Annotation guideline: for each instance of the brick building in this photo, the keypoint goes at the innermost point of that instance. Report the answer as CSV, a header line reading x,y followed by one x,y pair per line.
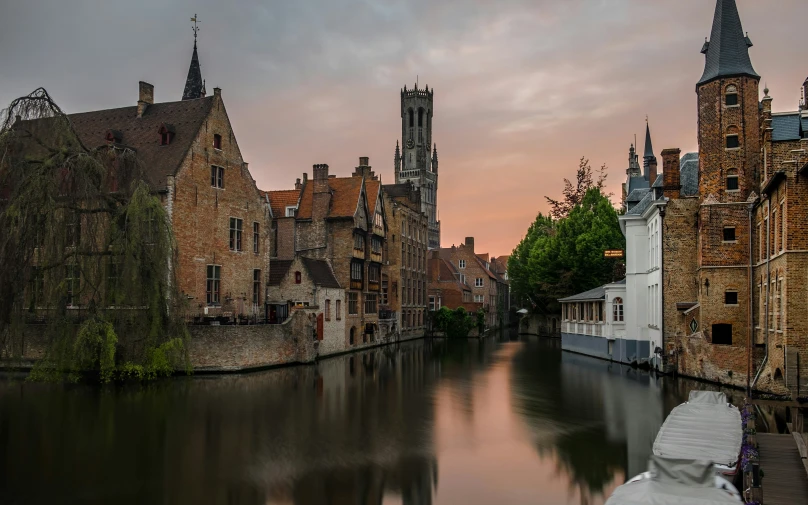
x,y
193,162
445,288
734,252
473,270
404,287
342,220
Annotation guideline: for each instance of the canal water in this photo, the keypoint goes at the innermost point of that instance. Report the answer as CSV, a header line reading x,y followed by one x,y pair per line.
x,y
500,421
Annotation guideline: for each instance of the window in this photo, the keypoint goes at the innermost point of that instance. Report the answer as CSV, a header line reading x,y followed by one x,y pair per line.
x,y
732,183
731,298
256,238
733,142
722,334
374,272
256,287
217,141
358,242
328,310
73,229
782,225
217,176
466,296
371,301
479,298
72,280
353,304
356,271
152,228
213,286
290,211
36,291
165,136
338,310
462,263
113,294
235,234
617,310
376,245
731,96
432,303
298,277
729,234
385,287
351,341
478,282
462,278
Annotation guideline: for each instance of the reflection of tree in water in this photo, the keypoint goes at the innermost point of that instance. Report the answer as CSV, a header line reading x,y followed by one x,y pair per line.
x,y
568,424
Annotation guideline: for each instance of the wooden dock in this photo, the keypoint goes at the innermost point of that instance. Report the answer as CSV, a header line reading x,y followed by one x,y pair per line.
x,y
785,481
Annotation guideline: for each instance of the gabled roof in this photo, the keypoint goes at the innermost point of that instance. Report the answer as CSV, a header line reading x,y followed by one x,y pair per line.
x,y
637,195
689,174
786,127
635,183
278,270
142,135
728,49
321,273
372,189
345,193
448,273
279,200
642,206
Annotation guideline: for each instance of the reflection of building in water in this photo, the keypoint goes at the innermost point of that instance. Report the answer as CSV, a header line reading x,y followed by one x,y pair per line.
x,y
598,420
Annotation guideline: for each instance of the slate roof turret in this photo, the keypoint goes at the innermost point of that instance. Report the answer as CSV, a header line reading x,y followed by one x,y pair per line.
x,y
727,51
194,85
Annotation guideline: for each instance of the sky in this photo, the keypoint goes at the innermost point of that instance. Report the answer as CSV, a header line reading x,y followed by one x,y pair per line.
x,y
523,88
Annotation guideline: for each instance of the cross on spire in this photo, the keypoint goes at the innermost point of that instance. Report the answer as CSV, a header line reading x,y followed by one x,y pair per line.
x,y
195,28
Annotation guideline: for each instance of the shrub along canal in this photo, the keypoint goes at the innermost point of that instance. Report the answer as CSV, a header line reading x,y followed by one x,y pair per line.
x,y
501,420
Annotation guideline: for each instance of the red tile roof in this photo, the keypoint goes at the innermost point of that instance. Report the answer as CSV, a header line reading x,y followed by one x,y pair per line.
x,y
345,193
279,200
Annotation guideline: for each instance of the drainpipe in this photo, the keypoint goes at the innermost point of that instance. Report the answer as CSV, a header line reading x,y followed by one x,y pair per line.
x,y
662,279
750,312
768,288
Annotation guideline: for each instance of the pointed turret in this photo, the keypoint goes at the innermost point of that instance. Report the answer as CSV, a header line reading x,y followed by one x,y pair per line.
x,y
194,85
435,158
649,161
727,51
397,158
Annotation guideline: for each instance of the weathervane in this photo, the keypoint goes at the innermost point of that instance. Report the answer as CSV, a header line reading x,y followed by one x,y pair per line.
x,y
195,28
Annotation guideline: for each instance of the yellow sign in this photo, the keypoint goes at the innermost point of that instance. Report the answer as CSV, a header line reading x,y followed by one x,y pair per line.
x,y
613,253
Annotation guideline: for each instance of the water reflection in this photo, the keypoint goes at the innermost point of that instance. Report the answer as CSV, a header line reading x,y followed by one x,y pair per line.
x,y
498,421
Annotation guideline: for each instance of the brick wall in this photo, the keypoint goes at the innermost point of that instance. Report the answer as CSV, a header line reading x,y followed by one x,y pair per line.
x,y
201,219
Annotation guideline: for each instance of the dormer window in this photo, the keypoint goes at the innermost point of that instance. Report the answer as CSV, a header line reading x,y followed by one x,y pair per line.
x,y
166,132
114,136
731,96
217,141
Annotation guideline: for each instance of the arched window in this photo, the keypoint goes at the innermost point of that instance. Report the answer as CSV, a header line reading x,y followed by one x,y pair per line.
x,y
617,310
412,118
731,96
352,338
298,278
421,117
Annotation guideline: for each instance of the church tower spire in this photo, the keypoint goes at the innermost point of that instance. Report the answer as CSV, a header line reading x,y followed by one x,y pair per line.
x,y
649,161
727,51
194,85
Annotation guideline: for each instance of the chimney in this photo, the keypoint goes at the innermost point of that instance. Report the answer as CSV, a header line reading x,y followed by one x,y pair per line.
x,y
470,243
652,171
364,169
670,173
145,97
217,91
298,185
805,94
320,178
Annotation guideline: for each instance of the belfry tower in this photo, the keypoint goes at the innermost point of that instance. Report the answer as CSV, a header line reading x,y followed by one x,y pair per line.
x,y
416,160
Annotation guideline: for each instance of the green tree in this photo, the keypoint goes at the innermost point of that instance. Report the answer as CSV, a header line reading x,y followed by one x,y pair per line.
x,y
574,193
571,260
85,247
518,270
454,323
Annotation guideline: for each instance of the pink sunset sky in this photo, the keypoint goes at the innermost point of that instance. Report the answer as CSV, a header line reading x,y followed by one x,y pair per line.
x,y
523,88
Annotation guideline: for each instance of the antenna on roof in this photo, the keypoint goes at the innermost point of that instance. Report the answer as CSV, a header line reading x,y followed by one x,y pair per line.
x,y
195,28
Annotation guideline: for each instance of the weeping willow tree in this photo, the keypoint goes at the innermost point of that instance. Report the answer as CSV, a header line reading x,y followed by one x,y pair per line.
x,y
86,250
